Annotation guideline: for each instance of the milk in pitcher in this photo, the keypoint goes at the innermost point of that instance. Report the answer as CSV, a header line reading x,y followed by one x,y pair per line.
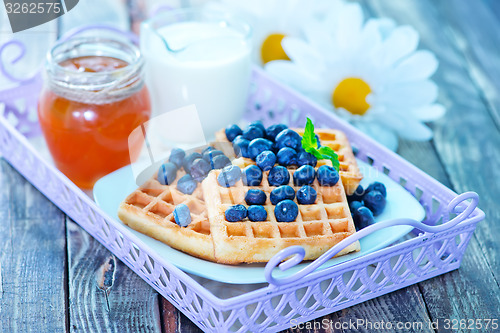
x,y
205,63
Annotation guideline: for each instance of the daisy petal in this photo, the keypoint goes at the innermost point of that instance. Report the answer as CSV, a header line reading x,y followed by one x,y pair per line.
x,y
380,133
400,43
318,38
370,36
409,95
384,25
302,54
289,73
406,126
416,131
430,112
419,66
349,26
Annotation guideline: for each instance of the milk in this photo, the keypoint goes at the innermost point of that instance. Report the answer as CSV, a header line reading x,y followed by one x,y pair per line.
x,y
202,63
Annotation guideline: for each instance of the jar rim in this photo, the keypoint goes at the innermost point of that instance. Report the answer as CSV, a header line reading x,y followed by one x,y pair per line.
x,y
99,87
71,44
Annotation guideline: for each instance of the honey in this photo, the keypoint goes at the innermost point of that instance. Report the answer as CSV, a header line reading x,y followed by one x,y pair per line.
x,y
87,126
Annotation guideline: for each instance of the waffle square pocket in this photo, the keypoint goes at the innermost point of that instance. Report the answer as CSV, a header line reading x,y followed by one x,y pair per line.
x,y
317,228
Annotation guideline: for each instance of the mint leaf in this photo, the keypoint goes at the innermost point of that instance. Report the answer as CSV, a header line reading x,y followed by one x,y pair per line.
x,y
308,138
310,144
330,154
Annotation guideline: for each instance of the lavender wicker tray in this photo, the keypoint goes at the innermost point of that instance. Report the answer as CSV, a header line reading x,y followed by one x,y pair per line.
x,y
436,248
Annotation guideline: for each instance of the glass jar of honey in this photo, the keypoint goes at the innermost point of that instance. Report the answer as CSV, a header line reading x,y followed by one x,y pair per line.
x,y
94,97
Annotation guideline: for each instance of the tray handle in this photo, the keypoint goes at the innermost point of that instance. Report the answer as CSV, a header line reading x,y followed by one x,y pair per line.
x,y
457,206
22,51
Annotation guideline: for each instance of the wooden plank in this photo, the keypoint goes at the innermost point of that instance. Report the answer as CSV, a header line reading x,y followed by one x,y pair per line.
x,y
32,258
467,142
475,27
173,321
468,294
494,6
130,305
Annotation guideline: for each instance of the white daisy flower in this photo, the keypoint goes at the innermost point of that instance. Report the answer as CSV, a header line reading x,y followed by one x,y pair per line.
x,y
370,73
272,20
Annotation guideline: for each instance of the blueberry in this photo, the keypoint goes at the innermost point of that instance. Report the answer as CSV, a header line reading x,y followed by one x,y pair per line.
x,y
374,201
253,132
177,157
275,148
287,156
273,130
251,176
182,215
236,213
206,150
266,160
357,195
362,217
288,138
257,213
255,197
210,156
188,160
257,146
278,175
327,175
167,173
286,211
317,140
281,193
233,131
220,162
258,123
240,146
304,175
186,184
306,195
199,169
377,186
305,158
229,176
353,205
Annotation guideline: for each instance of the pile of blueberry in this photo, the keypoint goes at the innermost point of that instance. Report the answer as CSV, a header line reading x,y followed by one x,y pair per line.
x,y
367,203
267,147
197,166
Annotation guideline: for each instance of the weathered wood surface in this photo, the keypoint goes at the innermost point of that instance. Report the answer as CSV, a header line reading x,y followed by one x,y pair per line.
x,y
130,304
54,276
32,258
467,141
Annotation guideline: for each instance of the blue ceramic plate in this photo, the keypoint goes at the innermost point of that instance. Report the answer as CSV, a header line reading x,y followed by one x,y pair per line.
x,y
112,189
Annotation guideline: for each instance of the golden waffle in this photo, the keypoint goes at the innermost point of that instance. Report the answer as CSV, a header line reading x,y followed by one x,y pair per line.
x,y
317,228
149,210
335,139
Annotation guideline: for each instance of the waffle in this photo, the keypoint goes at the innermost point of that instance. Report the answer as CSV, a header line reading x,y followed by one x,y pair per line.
x,y
149,210
335,139
317,228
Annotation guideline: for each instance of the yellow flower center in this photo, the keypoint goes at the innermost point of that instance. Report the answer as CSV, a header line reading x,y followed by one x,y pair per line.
x,y
351,94
271,48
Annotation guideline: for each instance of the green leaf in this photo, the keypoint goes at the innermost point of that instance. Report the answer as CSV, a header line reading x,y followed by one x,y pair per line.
x,y
330,154
310,144
308,138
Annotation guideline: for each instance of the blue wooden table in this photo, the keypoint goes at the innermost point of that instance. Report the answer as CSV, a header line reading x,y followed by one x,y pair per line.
x,y
50,268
